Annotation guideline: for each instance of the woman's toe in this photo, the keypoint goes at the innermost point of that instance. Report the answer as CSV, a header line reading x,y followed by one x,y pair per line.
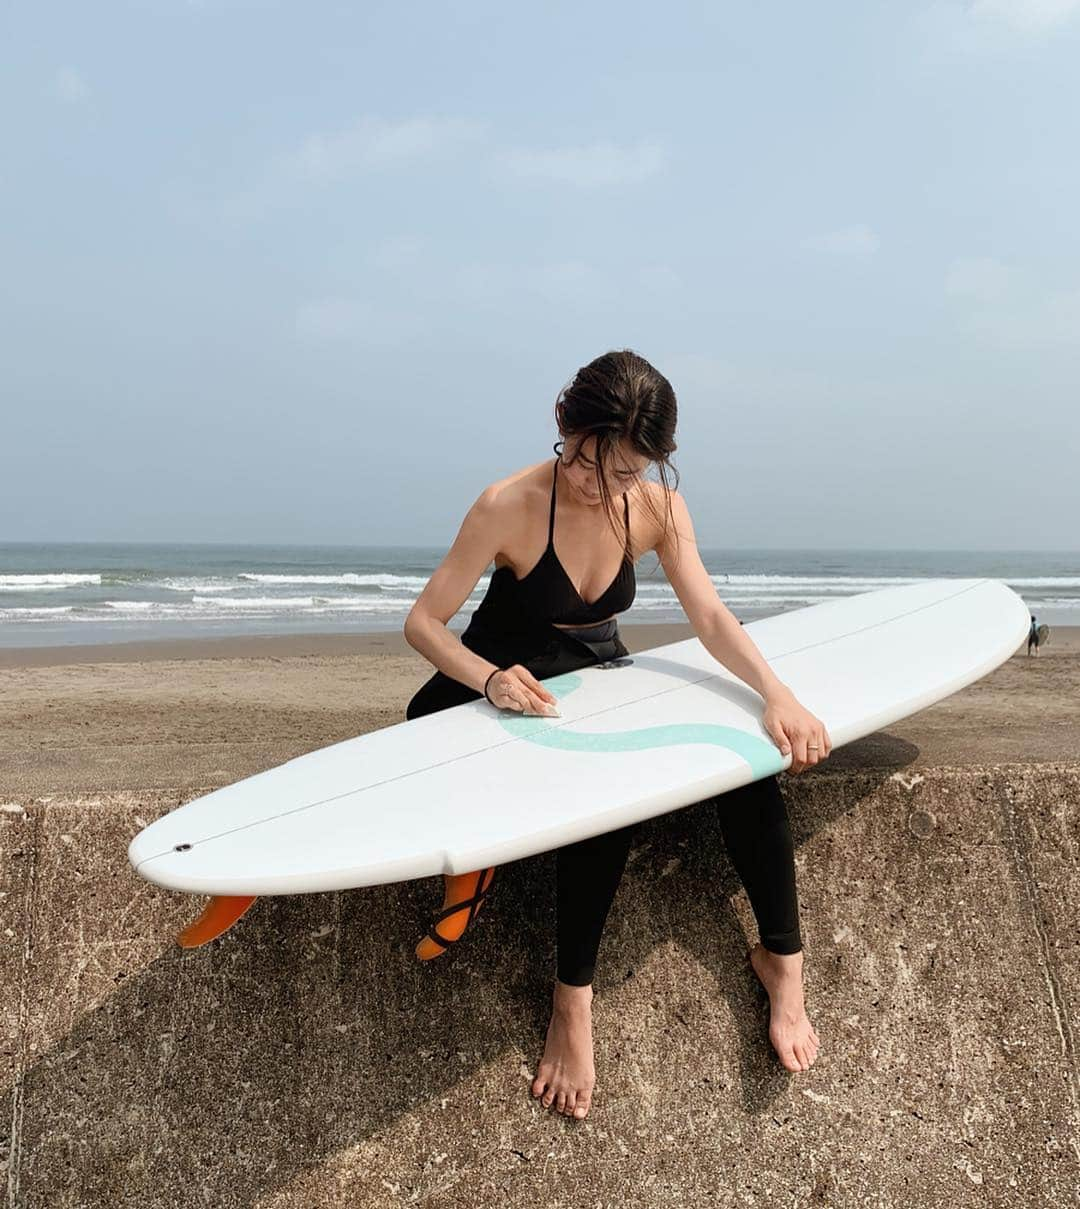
x,y
538,1085
561,1102
581,1105
568,1107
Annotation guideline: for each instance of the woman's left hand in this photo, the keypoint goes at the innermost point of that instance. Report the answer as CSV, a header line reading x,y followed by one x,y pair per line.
x,y
796,730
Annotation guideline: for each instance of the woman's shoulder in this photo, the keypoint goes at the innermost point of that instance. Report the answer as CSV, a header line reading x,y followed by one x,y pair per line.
x,y
511,504
661,503
516,487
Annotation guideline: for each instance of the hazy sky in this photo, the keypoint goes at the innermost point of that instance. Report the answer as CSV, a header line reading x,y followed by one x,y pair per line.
x,y
317,272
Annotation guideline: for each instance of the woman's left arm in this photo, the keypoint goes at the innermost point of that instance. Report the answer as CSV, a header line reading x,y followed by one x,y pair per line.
x,y
793,728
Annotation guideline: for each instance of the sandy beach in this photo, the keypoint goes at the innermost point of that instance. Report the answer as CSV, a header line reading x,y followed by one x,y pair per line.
x,y
188,714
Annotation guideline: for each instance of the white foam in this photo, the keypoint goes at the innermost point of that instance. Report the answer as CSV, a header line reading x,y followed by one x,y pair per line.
x,y
194,585
351,578
27,583
27,614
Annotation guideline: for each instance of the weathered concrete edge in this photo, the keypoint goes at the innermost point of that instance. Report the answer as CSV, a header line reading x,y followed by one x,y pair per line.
x,y
18,832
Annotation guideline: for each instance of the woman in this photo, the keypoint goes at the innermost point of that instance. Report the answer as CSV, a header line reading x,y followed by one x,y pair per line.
x,y
548,613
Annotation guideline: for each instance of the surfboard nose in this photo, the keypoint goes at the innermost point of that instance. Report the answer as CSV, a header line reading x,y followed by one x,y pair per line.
x,y
139,850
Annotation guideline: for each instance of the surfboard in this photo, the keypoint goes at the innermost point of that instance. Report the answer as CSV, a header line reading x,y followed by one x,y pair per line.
x,y
1043,634
474,785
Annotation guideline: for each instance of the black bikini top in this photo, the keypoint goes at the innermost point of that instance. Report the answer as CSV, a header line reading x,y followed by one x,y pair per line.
x,y
553,594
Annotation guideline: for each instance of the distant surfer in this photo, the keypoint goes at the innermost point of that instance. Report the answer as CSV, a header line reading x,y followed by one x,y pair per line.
x,y
546,613
1033,636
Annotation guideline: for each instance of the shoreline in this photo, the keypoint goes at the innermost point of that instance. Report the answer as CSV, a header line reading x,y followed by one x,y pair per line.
x,y
1064,638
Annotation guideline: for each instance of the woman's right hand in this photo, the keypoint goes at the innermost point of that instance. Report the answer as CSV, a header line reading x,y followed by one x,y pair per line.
x,y
518,689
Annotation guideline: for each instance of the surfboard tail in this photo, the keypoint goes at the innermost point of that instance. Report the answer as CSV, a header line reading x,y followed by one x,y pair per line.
x,y
219,915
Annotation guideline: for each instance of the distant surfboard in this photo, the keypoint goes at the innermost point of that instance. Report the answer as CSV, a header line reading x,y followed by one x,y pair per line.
x,y
473,785
1043,634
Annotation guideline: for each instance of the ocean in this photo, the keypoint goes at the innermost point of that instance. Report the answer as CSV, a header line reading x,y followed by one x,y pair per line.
x,y
58,594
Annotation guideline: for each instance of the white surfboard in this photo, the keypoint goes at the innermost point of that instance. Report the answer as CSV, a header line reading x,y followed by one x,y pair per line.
x,y
473,785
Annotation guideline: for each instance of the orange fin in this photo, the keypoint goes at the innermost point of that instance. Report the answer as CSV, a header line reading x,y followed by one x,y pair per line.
x,y
219,915
464,895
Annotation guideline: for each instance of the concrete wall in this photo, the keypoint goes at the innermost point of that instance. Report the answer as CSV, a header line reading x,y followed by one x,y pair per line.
x,y
307,1059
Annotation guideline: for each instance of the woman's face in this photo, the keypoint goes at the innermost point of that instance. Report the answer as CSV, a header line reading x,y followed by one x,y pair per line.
x,y
622,469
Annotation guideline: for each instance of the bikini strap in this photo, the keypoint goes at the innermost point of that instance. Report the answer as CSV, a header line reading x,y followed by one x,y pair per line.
x,y
551,518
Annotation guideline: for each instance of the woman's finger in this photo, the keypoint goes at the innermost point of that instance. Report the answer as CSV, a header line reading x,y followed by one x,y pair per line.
x,y
822,738
541,706
798,748
518,687
518,695
787,745
507,694
538,688
780,737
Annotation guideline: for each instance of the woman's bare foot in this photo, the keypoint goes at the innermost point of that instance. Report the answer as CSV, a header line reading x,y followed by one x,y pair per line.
x,y
567,1074
790,1030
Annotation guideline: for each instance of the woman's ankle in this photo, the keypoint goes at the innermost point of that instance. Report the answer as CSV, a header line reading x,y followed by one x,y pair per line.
x,y
782,965
777,955
566,994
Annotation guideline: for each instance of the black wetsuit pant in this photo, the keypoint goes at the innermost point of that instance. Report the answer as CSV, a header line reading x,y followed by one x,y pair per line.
x,y
753,820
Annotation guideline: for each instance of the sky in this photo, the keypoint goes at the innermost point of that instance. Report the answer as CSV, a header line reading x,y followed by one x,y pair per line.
x,y
317,272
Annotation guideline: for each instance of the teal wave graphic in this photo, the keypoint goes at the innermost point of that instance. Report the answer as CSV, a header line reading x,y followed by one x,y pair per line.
x,y
762,755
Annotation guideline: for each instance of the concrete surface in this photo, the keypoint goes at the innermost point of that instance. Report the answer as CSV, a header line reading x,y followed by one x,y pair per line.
x,y
307,1059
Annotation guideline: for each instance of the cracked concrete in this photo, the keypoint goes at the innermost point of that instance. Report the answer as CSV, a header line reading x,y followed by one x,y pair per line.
x,y
1020,844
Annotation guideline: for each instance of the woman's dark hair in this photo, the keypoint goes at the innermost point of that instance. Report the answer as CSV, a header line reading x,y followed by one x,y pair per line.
x,y
620,397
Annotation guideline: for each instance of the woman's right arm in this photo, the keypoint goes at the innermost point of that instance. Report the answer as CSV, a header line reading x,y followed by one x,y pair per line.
x,y
447,590
450,585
